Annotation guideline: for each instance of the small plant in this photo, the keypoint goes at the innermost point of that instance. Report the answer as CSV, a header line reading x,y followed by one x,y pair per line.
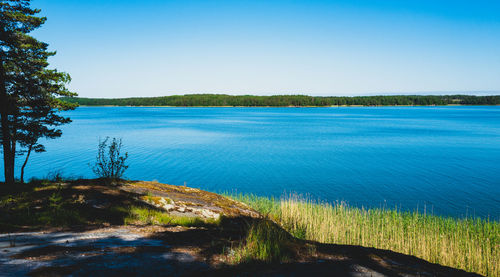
x,y
55,201
55,176
110,163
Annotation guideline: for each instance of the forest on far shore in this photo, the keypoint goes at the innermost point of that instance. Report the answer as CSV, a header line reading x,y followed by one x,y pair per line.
x,y
191,100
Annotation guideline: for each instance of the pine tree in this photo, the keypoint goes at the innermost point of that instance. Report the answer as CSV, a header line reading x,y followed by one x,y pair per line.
x,y
29,90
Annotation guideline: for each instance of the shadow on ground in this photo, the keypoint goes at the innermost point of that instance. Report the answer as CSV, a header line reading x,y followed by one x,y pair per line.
x,y
78,229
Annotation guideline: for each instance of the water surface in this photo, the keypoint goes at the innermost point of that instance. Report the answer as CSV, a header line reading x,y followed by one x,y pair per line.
x,y
443,159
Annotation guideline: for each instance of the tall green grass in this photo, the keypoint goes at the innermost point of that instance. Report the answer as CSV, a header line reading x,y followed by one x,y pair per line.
x,y
468,244
265,242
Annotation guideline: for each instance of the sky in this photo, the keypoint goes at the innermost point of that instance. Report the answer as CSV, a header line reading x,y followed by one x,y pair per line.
x,y
126,48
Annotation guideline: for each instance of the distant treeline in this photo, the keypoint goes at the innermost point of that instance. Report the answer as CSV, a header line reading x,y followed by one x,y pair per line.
x,y
191,100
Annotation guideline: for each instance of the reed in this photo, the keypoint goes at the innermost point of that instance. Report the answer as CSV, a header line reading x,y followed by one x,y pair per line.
x,y
266,242
471,244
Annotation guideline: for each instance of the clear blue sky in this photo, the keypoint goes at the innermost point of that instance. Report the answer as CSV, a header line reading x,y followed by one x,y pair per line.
x,y
122,48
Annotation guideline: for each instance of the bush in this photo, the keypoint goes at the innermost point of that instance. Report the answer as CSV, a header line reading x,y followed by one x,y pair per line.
x,y
110,163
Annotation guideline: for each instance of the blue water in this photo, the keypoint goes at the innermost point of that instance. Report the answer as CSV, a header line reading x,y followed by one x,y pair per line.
x,y
445,160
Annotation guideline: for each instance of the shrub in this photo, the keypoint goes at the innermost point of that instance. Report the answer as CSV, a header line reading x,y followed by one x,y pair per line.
x,y
110,163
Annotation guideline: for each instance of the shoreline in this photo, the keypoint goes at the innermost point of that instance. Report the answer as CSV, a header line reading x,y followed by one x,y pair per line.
x,y
143,214
333,106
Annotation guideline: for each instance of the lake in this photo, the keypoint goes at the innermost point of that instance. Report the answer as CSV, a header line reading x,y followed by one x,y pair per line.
x,y
441,160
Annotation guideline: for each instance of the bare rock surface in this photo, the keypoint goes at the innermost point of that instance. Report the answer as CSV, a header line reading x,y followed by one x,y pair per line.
x,y
186,201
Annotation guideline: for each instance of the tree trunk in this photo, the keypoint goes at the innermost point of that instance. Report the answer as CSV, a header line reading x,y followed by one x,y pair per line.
x,y
25,162
7,142
8,156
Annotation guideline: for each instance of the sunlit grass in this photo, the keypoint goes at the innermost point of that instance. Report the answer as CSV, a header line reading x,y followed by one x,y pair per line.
x,y
39,205
265,242
469,244
149,216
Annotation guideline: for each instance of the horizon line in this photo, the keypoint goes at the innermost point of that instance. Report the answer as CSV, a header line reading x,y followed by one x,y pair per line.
x,y
429,93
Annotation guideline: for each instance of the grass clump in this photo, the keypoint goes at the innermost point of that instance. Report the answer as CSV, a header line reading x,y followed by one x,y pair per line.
x,y
266,242
149,216
469,244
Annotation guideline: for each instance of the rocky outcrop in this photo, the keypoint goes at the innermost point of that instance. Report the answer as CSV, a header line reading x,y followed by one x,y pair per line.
x,y
187,201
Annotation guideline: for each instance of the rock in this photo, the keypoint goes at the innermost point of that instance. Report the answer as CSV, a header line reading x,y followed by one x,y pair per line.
x,y
168,207
190,202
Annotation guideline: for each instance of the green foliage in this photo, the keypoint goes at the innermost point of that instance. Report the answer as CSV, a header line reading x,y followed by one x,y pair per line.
x,y
110,163
45,206
55,201
29,90
193,100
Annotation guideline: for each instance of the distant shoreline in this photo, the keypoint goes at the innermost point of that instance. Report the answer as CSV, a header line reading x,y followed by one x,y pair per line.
x,y
340,106
291,101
